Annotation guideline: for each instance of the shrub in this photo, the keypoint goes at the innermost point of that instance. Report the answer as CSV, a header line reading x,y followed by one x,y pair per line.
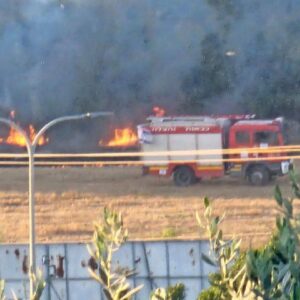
x,y
272,272
39,285
175,292
231,280
109,235
212,293
275,270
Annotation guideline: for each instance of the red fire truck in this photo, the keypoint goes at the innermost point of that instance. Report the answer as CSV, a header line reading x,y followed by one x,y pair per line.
x,y
190,148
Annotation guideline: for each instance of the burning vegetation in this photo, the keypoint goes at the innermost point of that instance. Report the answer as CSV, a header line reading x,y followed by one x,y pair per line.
x,y
127,136
15,138
123,137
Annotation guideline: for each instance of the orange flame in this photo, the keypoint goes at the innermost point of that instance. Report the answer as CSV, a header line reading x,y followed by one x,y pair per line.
x,y
158,111
17,139
122,137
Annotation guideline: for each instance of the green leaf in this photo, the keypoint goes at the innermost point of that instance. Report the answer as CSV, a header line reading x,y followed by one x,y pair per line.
x,y
250,262
206,202
199,220
277,294
278,195
107,294
288,206
219,235
159,294
208,260
297,293
213,227
131,292
286,279
295,186
103,276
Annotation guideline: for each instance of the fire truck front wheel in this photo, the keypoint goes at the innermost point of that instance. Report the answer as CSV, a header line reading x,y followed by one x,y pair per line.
x,y
184,176
258,175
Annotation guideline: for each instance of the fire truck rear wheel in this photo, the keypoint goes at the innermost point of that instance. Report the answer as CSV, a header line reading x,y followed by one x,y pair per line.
x,y
258,175
184,176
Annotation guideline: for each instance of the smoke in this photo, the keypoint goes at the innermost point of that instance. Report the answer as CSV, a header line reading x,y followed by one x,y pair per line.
x,y
265,39
59,58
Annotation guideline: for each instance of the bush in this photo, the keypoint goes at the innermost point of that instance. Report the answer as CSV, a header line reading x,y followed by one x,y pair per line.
x,y
272,272
175,292
39,286
109,235
212,293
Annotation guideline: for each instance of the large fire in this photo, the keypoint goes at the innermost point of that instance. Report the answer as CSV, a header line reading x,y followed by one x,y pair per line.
x,y
122,137
126,137
17,139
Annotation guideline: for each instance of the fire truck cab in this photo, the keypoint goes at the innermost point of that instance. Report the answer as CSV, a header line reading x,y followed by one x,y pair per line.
x,y
200,147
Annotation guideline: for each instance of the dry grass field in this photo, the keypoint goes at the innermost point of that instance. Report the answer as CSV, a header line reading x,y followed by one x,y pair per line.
x,y
68,200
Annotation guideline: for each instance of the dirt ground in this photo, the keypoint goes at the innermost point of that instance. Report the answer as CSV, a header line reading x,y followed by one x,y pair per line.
x,y
68,200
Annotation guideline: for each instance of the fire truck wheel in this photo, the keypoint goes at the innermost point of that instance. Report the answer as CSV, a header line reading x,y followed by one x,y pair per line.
x,y
184,176
258,175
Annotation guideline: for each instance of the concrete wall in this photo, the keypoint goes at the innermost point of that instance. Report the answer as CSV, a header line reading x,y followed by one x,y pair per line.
x,y
65,267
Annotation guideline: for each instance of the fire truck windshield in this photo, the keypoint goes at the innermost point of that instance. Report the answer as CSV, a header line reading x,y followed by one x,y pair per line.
x,y
266,137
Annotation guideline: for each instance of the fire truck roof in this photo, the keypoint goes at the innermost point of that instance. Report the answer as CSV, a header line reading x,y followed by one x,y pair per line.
x,y
179,118
253,123
202,118
256,122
